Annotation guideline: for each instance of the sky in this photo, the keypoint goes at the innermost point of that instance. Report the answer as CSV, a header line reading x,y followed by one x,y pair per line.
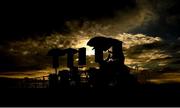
x,y
148,29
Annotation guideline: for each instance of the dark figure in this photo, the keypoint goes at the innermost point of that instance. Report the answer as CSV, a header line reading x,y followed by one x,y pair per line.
x,y
112,72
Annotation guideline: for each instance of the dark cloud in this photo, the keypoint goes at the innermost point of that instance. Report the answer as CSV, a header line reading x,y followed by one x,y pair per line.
x,y
138,49
22,19
158,56
167,20
30,30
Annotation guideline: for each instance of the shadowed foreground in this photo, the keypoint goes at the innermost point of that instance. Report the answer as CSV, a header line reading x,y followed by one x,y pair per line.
x,y
143,95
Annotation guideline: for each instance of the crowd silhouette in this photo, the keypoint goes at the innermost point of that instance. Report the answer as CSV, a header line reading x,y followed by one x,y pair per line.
x,y
112,71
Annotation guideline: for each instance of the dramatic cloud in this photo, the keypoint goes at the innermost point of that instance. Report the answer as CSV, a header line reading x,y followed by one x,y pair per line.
x,y
149,32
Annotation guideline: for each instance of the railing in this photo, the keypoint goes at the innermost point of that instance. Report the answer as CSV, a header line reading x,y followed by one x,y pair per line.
x,y
36,82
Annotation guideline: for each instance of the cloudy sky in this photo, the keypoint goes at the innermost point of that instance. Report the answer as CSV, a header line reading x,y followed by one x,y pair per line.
x,y
148,29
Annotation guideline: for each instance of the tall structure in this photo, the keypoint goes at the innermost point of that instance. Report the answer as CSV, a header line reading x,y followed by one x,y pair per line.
x,y
55,53
70,57
82,56
117,52
101,44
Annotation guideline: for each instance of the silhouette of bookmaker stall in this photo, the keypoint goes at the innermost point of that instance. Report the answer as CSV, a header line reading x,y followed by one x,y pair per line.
x,y
112,71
